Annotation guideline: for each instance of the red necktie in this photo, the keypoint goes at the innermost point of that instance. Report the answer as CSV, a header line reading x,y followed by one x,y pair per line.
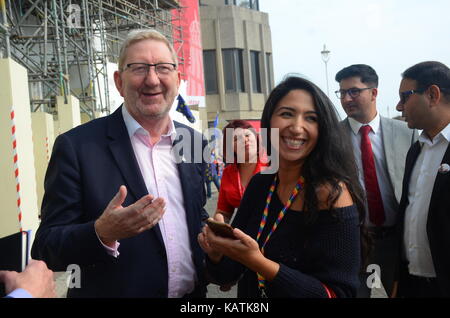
x,y
375,204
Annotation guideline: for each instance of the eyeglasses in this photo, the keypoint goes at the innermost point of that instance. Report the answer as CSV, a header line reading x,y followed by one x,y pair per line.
x,y
142,69
405,95
353,92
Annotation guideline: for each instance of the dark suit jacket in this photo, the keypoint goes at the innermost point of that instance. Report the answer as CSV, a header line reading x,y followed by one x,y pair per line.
x,y
438,222
87,166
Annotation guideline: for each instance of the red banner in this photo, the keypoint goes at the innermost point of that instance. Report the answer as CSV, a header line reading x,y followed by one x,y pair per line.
x,y
188,44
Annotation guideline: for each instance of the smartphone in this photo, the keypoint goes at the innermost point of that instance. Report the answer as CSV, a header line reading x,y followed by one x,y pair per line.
x,y
220,228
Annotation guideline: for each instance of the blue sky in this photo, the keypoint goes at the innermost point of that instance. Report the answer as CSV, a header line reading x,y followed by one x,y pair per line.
x,y
389,35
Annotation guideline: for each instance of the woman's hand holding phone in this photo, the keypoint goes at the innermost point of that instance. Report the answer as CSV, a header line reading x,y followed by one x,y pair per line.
x,y
220,228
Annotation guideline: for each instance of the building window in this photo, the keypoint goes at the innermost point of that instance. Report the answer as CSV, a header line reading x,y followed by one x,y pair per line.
x,y
256,74
249,4
233,70
210,70
269,71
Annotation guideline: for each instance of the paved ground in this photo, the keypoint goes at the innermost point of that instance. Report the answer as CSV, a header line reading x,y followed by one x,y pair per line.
x,y
213,290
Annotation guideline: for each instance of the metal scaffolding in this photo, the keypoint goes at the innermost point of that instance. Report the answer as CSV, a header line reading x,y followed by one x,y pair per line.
x,y
66,44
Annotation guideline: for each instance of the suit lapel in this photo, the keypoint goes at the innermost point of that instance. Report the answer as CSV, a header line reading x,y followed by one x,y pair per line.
x,y
123,154
186,168
411,159
387,132
185,172
346,125
346,129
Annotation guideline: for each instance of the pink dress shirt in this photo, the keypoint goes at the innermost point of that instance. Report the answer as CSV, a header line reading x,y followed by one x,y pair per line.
x,y
160,172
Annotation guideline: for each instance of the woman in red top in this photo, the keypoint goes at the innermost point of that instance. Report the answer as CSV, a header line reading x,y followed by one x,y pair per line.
x,y
237,174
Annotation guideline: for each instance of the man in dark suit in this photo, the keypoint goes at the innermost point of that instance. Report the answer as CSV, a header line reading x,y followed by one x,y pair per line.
x,y
380,145
425,204
133,179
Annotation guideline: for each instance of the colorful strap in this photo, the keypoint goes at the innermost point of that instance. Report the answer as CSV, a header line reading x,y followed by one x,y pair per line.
x,y
262,224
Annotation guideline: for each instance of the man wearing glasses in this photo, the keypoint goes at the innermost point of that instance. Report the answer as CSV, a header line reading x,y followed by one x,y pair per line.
x,y
425,204
380,145
118,203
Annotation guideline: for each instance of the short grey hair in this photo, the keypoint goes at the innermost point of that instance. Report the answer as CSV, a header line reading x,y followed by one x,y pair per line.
x,y
140,35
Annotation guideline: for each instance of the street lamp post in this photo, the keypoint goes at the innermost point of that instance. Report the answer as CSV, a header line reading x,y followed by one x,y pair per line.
x,y
325,57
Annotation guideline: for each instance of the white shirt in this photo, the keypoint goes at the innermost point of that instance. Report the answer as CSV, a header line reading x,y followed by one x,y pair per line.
x,y
423,176
390,203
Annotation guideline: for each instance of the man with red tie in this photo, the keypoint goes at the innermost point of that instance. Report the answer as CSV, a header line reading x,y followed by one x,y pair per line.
x,y
380,145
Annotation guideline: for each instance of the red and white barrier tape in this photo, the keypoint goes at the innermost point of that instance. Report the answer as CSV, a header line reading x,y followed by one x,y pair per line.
x,y
46,148
16,167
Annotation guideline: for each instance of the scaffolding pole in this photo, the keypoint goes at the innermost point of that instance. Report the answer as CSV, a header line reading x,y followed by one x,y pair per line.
x,y
63,59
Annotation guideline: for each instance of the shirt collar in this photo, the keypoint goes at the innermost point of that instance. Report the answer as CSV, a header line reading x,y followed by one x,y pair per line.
x,y
134,127
356,125
443,134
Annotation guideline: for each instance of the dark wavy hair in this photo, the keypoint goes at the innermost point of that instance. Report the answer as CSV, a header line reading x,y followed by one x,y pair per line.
x,y
363,71
237,123
331,161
